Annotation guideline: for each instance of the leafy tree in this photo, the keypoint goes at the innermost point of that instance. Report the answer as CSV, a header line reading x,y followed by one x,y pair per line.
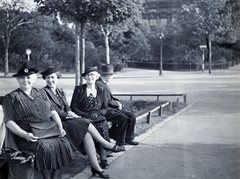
x,y
234,36
109,13
13,15
77,12
210,18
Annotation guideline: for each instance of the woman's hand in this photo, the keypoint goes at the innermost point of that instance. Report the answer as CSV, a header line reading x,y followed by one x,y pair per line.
x,y
94,115
30,137
119,105
14,128
63,132
72,114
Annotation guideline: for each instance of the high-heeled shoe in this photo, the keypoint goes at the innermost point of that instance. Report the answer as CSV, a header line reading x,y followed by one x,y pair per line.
x,y
102,173
104,164
116,149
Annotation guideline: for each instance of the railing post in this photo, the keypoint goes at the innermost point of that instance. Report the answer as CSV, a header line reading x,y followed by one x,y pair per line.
x,y
185,99
177,103
149,117
160,111
170,105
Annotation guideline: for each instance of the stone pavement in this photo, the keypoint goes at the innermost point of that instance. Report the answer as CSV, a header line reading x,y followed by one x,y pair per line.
x,y
200,142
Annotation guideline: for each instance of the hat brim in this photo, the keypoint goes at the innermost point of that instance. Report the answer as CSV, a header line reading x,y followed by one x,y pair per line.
x,y
32,71
49,71
89,71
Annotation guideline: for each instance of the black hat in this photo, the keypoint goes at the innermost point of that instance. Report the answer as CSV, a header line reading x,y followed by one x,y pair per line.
x,y
90,69
50,70
106,69
25,70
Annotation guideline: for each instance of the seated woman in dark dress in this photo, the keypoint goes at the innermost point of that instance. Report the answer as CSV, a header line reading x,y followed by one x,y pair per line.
x,y
89,101
79,130
27,105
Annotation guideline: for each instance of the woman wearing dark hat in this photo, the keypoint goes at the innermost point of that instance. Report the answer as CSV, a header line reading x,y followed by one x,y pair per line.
x,y
88,101
79,131
26,106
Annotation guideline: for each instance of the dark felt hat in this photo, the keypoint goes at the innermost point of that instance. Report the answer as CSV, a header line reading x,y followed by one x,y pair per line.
x,y
90,69
50,70
107,69
25,70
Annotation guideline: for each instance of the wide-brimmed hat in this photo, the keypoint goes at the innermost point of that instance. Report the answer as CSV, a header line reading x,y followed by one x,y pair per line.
x,y
90,69
50,70
107,69
25,70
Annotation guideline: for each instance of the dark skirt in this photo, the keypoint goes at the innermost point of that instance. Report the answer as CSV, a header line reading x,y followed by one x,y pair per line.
x,y
102,127
52,153
76,129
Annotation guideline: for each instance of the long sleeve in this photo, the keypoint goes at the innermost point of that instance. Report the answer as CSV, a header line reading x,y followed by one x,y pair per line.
x,y
76,102
111,100
102,95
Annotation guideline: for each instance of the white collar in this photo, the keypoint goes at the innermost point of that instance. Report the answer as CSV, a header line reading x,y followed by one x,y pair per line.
x,y
93,92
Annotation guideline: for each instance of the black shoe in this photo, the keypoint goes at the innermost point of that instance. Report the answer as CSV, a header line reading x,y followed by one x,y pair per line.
x,y
117,149
104,164
132,142
102,173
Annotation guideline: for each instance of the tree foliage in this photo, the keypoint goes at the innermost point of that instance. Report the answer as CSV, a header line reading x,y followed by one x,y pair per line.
x,y
13,15
109,13
202,22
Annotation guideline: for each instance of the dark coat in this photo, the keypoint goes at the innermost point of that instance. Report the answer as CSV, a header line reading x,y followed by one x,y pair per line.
x,y
61,107
79,101
111,100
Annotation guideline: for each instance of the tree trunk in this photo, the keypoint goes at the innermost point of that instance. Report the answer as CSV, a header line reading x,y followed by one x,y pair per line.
x,y
210,52
107,49
77,55
106,32
6,47
6,69
82,50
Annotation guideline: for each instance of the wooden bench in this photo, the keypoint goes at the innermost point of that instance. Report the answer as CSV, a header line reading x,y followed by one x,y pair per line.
x,y
160,107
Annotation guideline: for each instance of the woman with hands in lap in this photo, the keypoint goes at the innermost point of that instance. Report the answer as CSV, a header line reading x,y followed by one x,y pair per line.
x,y
79,131
27,105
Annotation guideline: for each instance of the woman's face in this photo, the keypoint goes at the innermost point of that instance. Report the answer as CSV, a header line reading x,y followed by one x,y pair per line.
x,y
26,82
52,80
91,77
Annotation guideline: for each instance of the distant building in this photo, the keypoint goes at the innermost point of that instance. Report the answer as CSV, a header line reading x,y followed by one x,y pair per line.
x,y
159,12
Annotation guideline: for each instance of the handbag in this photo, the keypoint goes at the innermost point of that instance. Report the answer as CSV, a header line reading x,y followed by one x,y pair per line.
x,y
45,129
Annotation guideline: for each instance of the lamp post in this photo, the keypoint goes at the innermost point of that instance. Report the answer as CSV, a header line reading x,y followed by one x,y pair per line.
x,y
28,52
160,63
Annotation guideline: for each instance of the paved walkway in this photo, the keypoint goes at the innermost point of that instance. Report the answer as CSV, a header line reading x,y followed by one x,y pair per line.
x,y
200,142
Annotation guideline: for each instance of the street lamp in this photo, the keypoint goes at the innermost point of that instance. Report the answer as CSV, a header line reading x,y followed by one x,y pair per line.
x,y
160,63
28,52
